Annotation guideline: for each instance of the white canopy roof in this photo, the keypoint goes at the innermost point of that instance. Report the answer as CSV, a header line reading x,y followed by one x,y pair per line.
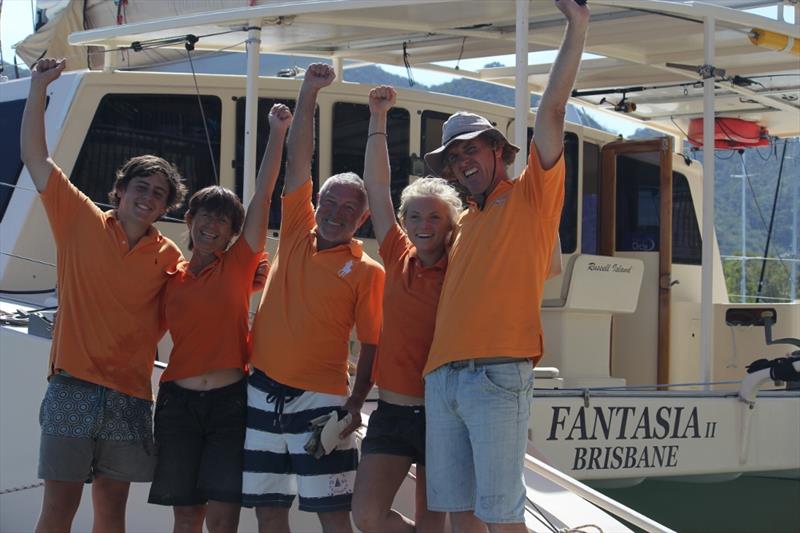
x,y
637,39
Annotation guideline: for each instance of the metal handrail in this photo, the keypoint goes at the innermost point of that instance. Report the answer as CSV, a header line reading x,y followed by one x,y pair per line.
x,y
592,496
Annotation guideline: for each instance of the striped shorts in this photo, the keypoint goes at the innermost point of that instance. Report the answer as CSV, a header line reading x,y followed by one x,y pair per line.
x,y
276,466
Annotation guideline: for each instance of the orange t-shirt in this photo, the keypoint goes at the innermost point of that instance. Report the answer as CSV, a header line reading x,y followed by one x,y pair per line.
x,y
107,325
311,302
410,299
207,314
492,294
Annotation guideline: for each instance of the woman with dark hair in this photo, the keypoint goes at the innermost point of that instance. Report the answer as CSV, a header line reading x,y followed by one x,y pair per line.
x,y
201,405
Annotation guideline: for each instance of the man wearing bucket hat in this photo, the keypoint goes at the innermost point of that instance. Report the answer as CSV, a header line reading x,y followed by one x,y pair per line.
x,y
488,336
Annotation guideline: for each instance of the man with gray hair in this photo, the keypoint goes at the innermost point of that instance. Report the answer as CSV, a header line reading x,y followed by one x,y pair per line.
x,y
488,336
320,286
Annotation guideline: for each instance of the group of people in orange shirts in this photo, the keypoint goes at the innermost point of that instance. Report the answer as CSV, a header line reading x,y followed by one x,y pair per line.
x,y
449,328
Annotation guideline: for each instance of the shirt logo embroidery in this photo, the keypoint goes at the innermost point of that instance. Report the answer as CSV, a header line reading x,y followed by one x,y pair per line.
x,y
501,200
346,269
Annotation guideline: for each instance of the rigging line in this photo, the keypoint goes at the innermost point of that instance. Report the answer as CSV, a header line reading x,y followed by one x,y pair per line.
x,y
669,15
38,262
177,39
731,132
210,53
138,46
407,63
164,218
31,292
770,149
719,156
541,516
685,134
771,226
202,113
763,220
461,52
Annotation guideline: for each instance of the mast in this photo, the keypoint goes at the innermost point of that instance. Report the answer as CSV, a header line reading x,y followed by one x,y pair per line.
x,y
707,272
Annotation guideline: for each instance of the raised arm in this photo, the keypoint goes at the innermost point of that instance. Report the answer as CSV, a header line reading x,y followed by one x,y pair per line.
x,y
300,145
256,220
548,132
377,174
32,139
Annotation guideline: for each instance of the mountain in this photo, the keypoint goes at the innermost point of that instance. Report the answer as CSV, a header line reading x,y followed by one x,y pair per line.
x,y
7,69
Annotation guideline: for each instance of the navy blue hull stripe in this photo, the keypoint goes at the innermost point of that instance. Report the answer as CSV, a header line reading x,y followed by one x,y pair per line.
x,y
301,464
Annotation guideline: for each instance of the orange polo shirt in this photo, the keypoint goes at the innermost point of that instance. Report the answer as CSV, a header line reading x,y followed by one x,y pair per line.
x,y
492,294
410,299
311,302
107,325
207,314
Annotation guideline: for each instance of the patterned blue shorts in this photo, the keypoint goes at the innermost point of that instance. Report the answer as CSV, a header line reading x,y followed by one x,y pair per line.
x,y
76,408
90,430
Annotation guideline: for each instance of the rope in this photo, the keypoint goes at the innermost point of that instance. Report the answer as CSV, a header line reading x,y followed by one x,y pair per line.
x,y
189,48
581,529
22,487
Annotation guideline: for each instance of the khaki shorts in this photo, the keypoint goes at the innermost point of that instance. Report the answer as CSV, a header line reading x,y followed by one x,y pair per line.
x,y
90,430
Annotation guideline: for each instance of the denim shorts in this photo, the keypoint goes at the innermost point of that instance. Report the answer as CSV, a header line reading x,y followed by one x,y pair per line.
x,y
200,442
89,429
477,432
396,430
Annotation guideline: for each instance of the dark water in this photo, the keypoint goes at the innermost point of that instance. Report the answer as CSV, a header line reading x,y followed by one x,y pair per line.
x,y
744,505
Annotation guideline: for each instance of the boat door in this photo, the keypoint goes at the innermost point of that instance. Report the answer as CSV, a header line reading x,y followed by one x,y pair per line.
x,y
635,220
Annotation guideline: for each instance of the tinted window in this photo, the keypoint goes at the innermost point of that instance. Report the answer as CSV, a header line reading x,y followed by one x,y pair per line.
x,y
687,246
349,138
264,105
568,227
431,134
568,230
10,161
637,217
166,125
590,207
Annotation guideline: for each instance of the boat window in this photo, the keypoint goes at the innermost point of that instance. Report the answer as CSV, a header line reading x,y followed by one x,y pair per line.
x,y
687,244
637,216
10,159
591,179
264,105
166,125
349,138
431,134
568,229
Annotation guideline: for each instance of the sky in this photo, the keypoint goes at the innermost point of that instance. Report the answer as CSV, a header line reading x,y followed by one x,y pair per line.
x,y
16,22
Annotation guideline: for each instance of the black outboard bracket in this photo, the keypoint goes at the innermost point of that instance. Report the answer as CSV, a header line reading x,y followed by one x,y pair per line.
x,y
758,316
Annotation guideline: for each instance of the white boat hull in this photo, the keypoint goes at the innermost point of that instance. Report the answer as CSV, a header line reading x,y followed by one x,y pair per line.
x,y
23,365
621,438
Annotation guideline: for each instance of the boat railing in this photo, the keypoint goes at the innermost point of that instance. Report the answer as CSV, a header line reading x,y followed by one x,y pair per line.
x,y
786,275
594,497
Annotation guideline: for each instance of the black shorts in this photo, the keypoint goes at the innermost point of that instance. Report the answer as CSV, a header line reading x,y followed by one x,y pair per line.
x,y
396,430
200,443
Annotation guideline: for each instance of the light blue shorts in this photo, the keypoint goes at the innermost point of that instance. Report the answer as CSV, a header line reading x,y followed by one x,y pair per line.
x,y
477,424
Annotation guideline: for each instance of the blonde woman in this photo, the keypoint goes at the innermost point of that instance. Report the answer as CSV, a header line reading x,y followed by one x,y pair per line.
x,y
414,253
